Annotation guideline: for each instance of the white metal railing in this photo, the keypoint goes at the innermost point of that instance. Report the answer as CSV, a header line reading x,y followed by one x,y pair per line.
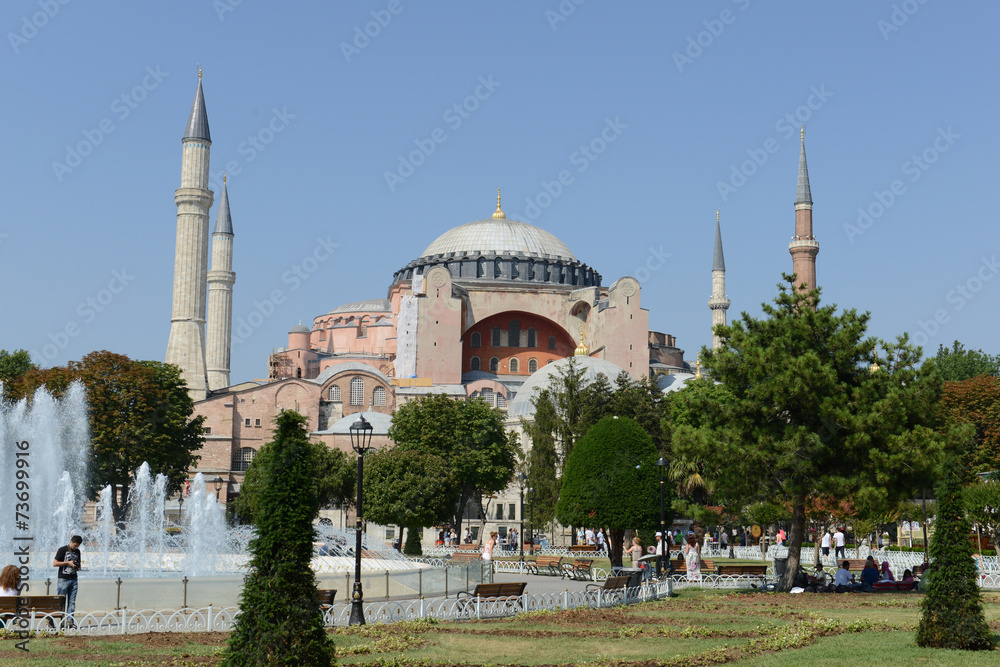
x,y
130,621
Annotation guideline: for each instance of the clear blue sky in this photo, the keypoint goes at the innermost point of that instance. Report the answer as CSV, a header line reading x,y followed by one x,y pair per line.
x,y
890,86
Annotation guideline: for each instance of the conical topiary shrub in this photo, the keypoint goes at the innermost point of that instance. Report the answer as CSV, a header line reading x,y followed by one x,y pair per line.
x,y
280,622
953,610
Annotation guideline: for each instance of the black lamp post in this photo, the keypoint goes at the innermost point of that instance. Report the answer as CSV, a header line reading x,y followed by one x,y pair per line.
x,y
218,486
662,465
531,525
522,479
361,439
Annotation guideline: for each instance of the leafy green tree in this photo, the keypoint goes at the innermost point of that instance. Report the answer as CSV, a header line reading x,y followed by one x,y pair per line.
x,y
982,502
975,401
13,365
468,435
959,364
138,411
807,415
611,480
334,479
953,608
280,622
408,489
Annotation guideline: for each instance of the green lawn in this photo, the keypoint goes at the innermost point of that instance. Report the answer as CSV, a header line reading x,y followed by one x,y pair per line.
x,y
696,627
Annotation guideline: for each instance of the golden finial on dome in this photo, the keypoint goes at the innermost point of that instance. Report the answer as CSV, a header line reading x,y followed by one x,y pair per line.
x,y
223,178
582,350
697,372
199,71
874,368
716,216
498,214
802,133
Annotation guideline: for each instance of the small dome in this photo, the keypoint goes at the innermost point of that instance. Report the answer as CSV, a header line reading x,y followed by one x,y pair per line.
x,y
498,236
522,406
299,328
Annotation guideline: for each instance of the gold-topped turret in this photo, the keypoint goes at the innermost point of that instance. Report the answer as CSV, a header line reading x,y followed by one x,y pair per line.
x,y
697,372
498,214
874,368
582,350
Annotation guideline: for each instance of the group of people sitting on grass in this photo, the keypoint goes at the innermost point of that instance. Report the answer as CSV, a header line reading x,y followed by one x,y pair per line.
x,y
845,582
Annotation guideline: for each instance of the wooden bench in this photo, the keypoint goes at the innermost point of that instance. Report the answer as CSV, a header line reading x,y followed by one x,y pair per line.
x,y
52,606
465,556
508,593
611,584
741,570
326,596
579,569
467,547
707,566
547,565
583,548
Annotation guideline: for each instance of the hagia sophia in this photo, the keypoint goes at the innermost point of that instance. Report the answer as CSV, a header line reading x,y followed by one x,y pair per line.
x,y
489,309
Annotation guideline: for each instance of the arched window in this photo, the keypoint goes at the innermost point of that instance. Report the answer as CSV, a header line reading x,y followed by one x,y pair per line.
x,y
514,334
515,365
242,458
481,268
532,338
298,372
495,342
487,395
475,364
334,393
501,401
475,340
494,365
532,365
357,391
378,396
552,342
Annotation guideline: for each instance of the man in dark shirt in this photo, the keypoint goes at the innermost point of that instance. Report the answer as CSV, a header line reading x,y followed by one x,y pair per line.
x,y
69,561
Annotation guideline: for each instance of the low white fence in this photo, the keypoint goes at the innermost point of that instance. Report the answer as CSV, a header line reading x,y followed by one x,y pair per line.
x,y
129,621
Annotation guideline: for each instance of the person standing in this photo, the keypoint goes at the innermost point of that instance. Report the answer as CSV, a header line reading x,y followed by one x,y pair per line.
x,y
838,543
600,540
589,536
660,554
724,542
488,549
69,561
825,543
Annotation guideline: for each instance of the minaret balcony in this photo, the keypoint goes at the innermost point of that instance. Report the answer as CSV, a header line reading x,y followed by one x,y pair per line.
x,y
716,303
808,244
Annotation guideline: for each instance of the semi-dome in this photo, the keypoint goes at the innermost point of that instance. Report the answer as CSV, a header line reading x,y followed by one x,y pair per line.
x,y
498,236
545,376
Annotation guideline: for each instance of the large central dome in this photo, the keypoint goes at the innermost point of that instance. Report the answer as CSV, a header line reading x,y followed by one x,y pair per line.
x,y
498,236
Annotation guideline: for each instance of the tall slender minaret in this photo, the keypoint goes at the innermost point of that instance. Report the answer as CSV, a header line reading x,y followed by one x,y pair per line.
x,y
804,246
186,346
218,345
718,302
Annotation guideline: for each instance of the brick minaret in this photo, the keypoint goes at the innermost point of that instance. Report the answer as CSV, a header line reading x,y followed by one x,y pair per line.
x,y
186,346
804,246
718,302
220,297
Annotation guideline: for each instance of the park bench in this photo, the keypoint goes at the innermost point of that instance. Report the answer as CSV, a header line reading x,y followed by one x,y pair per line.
x,y
326,597
51,606
741,570
465,556
707,566
611,584
579,569
583,548
547,565
508,593
467,547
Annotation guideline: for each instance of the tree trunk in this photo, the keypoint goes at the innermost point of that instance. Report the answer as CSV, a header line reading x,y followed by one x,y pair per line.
x,y
794,543
412,546
615,537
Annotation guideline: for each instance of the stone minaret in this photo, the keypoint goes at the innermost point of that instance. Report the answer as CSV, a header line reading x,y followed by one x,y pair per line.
x,y
804,246
718,303
220,297
186,346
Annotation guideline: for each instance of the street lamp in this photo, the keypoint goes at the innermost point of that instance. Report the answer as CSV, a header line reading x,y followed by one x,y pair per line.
x,y
531,525
522,479
361,439
218,486
662,465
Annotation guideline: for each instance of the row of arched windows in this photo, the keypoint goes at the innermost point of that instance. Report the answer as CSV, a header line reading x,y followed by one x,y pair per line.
x,y
513,337
358,393
492,398
475,364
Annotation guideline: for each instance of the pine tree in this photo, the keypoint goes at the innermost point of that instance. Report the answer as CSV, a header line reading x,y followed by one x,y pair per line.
x,y
953,608
280,622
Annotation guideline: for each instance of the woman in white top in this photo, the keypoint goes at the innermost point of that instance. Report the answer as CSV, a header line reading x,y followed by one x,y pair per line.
x,y
10,581
490,544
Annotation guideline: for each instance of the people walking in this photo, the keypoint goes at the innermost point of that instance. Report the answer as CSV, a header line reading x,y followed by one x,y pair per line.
x,y
839,544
